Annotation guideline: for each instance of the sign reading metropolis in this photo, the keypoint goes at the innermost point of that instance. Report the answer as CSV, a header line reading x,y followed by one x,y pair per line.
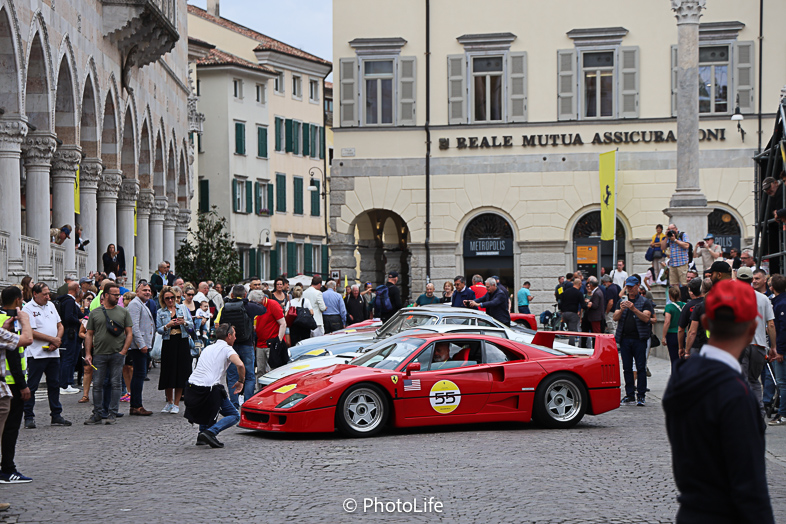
x,y
575,139
488,247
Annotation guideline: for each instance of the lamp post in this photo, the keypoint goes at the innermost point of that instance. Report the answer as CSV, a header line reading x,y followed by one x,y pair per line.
x,y
312,186
267,238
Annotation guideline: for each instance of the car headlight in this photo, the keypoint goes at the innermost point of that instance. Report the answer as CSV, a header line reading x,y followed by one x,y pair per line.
x,y
291,400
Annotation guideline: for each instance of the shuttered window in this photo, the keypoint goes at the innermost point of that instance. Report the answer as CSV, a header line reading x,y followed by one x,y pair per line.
x,y
308,263
291,260
566,84
315,196
348,92
406,90
296,131
279,124
252,262
457,89
273,264
288,135
743,76
517,87
325,257
281,192
306,140
249,197
321,143
262,142
204,195
270,198
240,138
297,187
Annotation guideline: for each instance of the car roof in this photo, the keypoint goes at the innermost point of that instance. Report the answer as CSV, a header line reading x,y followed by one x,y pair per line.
x,y
456,328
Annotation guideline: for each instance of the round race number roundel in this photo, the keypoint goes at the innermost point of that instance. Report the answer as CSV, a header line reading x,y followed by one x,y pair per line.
x,y
445,396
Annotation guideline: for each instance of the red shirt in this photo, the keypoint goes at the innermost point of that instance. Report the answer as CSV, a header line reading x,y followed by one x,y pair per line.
x,y
267,325
480,292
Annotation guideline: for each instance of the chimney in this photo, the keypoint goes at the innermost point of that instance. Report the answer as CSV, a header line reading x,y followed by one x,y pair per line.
x,y
212,7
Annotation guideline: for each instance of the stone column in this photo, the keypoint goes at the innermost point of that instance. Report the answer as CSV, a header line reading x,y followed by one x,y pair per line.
x,y
129,191
143,208
688,205
12,133
157,232
108,188
90,171
181,228
170,221
372,262
38,149
64,164
342,255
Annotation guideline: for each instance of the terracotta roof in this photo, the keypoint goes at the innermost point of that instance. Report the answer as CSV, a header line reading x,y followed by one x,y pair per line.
x,y
217,57
265,42
328,85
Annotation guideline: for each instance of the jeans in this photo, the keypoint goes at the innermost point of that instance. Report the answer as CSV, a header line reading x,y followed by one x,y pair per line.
x,y
11,431
112,366
139,361
572,320
247,354
69,352
524,309
634,349
230,417
779,368
36,368
672,343
752,361
769,385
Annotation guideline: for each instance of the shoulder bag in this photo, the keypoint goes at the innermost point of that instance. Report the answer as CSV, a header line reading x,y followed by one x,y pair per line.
x,y
112,327
304,319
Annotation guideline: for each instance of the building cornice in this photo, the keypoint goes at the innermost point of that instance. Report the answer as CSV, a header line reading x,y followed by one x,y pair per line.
x,y
279,60
486,41
597,36
378,46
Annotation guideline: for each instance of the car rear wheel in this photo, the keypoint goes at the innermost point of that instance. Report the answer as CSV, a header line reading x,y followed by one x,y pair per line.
x,y
362,411
560,401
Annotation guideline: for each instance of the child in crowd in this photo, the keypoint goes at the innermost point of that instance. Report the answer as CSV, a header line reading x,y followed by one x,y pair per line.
x,y
204,315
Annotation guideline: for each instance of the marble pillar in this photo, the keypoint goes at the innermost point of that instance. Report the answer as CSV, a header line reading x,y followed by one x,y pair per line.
x,y
108,189
143,209
12,133
90,171
38,150
129,191
157,232
688,206
181,228
170,221
342,255
64,164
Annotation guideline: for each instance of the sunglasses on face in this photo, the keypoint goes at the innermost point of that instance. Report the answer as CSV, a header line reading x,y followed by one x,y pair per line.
x,y
189,294
169,298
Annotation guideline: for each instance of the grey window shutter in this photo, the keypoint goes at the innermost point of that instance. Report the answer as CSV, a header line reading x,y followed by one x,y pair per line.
x,y
566,84
407,66
457,89
348,98
674,86
517,87
743,76
629,82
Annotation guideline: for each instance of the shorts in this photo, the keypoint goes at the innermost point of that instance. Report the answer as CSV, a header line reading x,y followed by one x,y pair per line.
x,y
129,361
678,275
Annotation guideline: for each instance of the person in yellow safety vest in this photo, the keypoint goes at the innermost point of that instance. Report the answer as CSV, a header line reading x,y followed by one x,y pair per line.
x,y
14,365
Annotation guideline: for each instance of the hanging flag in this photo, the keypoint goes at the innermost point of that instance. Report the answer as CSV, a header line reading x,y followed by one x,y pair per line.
x,y
345,282
135,204
608,192
76,192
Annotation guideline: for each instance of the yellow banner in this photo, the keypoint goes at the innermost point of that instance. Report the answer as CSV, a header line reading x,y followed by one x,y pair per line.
x,y
135,204
76,192
608,192
133,278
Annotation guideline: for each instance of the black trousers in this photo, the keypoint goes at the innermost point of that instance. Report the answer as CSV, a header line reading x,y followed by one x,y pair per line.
x,y
11,431
332,323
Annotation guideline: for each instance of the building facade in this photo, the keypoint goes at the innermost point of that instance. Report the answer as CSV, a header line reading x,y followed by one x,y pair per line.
x,y
516,117
264,145
94,132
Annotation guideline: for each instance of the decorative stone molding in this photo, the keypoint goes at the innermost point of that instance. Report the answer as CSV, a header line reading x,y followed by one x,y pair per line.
x,y
129,192
90,171
597,36
38,150
487,41
183,220
12,132
170,217
719,31
65,161
159,209
144,202
109,185
376,46
688,11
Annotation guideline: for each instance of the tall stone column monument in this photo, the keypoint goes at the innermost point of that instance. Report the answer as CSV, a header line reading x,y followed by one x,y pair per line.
x,y
688,206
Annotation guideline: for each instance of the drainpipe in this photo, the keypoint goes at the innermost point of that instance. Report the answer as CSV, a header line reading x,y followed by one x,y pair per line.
x,y
428,141
757,178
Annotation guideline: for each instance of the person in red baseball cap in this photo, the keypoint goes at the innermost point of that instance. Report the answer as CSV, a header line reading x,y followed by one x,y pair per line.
x,y
713,421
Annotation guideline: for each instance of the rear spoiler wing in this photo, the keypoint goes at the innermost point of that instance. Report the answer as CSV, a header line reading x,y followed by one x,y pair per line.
x,y
602,340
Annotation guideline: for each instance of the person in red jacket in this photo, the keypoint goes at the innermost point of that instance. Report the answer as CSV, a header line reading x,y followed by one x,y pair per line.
x,y
269,326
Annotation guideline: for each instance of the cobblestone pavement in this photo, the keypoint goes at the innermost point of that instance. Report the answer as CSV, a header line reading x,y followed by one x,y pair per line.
x,y
611,468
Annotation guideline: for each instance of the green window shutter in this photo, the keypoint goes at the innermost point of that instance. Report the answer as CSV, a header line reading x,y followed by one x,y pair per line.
x,y
306,139
242,257
256,198
204,196
249,198
281,193
321,143
270,198
324,261
262,142
297,187
252,262
307,259
278,134
291,261
296,137
240,138
273,264
315,196
288,134
234,196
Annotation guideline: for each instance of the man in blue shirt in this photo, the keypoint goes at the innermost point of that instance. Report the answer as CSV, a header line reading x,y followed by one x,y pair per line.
x,y
524,297
335,316
495,301
462,292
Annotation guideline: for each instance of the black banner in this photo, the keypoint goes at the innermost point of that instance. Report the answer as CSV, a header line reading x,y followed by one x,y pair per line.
x,y
488,247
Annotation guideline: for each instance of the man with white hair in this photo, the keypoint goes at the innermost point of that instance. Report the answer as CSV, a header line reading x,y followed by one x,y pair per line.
x,y
495,301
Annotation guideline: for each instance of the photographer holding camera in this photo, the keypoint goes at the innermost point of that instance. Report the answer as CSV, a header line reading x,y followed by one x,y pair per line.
x,y
678,245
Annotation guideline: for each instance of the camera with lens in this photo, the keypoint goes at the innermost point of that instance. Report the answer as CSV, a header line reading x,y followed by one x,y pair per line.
x,y
670,233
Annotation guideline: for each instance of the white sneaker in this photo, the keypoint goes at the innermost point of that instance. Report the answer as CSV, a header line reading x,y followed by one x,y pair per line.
x,y
167,408
70,390
175,409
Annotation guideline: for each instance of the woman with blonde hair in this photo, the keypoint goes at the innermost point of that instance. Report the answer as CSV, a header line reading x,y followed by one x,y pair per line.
x,y
173,322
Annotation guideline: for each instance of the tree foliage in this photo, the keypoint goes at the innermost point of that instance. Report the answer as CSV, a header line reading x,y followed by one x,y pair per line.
x,y
209,252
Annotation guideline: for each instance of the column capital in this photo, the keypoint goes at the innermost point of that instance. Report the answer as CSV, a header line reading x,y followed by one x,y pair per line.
x,y
65,161
170,217
12,131
90,173
109,184
144,202
688,11
129,192
159,209
38,149
183,220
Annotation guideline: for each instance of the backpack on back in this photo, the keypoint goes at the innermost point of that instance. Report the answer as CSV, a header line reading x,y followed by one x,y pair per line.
x,y
382,302
235,314
59,303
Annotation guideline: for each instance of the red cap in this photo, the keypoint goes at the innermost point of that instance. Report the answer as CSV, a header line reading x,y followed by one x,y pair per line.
x,y
740,297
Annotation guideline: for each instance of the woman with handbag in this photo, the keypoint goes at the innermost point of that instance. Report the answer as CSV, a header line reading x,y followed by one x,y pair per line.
x,y
173,321
298,332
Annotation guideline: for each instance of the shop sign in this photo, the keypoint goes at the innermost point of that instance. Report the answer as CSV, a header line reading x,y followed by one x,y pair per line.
x,y
488,247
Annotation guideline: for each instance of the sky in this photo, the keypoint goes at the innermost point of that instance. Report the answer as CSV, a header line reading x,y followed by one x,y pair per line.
x,y
305,24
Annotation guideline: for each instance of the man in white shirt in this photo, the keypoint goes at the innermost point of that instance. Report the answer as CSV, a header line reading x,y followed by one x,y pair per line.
x,y
619,275
43,356
205,396
314,295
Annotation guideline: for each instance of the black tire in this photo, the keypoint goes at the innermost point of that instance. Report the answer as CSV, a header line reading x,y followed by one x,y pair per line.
x,y
560,401
362,411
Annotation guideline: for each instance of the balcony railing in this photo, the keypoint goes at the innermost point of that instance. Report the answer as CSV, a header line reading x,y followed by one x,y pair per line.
x,y
81,264
30,256
58,262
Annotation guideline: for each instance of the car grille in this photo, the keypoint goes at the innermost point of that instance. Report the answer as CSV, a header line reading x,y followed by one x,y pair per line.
x,y
609,374
262,418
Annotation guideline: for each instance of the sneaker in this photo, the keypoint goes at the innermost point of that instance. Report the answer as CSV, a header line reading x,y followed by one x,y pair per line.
x,y
627,401
94,419
777,421
111,419
70,390
60,421
200,443
4,506
648,372
14,478
167,408
175,410
640,402
29,423
126,398
209,439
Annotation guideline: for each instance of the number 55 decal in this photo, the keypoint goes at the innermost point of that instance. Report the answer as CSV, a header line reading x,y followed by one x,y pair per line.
x,y
445,397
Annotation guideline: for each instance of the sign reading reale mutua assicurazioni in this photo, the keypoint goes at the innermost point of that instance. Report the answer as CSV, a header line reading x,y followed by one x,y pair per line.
x,y
575,139
488,247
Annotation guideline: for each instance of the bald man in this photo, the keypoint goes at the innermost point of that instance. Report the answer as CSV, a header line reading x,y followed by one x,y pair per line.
x,y
69,349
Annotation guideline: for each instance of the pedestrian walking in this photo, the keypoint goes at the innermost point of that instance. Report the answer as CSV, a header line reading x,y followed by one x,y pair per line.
x,y
633,331
570,306
722,480
270,329
173,321
671,323
144,329
524,297
381,308
316,297
69,349
777,361
335,314
495,301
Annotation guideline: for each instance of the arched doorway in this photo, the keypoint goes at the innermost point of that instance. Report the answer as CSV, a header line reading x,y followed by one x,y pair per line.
x,y
590,253
382,240
488,248
726,230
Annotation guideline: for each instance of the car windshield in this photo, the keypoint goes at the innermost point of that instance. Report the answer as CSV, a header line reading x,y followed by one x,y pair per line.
x,y
388,354
405,321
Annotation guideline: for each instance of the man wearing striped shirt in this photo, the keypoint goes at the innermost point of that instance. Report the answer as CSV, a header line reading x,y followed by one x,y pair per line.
x,y
678,245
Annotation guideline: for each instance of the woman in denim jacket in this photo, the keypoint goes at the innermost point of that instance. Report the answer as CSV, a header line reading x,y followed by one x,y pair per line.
x,y
173,321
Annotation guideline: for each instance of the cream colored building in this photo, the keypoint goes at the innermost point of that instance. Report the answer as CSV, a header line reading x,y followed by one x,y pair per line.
x,y
263,143
524,96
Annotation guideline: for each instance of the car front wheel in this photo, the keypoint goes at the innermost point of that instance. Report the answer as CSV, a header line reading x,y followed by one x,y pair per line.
x,y
560,401
362,411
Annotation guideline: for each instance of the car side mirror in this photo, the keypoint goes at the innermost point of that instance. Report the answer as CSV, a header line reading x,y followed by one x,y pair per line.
x,y
415,366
